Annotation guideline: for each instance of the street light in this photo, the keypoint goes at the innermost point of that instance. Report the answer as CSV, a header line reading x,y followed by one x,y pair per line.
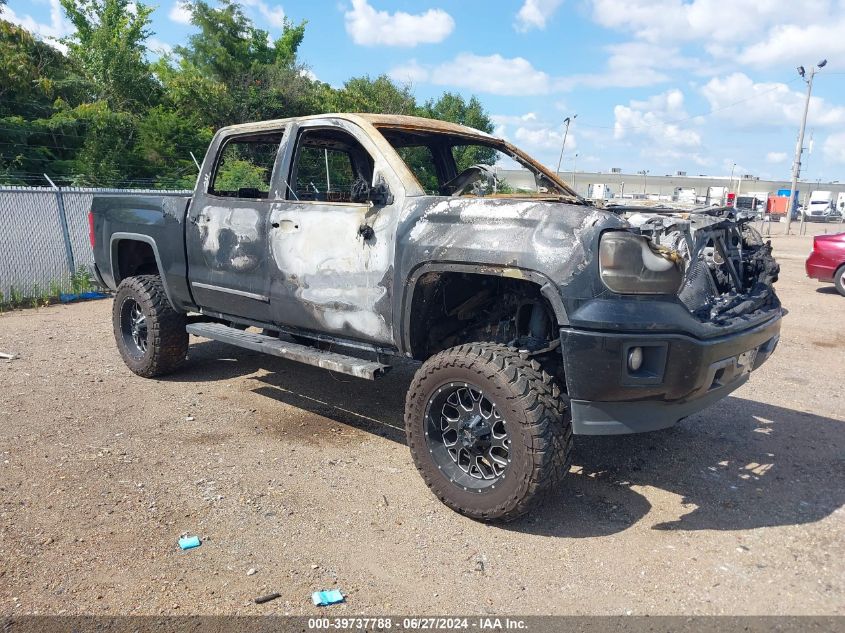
x,y
799,147
574,169
567,121
644,174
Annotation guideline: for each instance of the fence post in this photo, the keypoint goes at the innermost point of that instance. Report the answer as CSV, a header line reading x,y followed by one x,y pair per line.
x,y
63,221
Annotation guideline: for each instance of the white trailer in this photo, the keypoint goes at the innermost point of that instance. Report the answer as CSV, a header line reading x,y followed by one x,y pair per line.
x,y
716,195
599,191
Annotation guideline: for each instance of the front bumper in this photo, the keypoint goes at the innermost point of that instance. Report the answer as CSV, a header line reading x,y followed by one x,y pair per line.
x,y
679,376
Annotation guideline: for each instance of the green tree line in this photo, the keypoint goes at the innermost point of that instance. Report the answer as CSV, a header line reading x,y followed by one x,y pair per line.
x,y
104,114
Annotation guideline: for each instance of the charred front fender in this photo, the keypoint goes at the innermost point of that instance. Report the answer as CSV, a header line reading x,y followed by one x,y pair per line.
x,y
551,244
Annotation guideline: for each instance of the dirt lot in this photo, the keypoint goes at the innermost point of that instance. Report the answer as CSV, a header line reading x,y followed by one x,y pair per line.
x,y
303,476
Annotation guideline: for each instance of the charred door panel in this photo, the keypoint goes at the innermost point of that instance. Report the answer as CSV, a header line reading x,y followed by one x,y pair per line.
x,y
227,257
227,230
331,275
332,241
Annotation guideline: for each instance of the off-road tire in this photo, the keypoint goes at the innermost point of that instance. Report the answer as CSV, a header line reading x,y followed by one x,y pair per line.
x,y
167,340
839,280
536,412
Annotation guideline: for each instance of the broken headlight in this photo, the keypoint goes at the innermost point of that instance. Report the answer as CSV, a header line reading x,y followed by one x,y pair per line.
x,y
630,264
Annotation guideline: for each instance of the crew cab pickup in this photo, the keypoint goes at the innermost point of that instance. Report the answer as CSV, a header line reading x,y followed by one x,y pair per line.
x,y
346,241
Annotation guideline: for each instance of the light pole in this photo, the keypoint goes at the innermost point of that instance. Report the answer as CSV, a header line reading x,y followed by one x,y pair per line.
x,y
799,147
566,121
644,174
731,184
574,169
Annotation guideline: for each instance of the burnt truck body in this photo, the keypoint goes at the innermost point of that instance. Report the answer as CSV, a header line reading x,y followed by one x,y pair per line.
x,y
535,314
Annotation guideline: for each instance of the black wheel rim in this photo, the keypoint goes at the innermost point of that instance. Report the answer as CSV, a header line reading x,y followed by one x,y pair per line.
x,y
133,327
467,437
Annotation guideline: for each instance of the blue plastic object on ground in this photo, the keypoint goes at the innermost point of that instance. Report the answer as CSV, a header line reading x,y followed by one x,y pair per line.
x,y
67,298
189,542
325,598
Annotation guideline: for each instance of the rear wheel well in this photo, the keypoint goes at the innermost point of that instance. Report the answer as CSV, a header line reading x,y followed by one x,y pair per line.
x,y
134,258
453,308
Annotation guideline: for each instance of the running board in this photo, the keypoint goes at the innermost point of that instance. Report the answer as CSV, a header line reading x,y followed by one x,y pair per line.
x,y
333,361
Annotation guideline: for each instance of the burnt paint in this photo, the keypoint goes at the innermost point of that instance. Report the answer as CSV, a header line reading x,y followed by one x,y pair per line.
x,y
321,275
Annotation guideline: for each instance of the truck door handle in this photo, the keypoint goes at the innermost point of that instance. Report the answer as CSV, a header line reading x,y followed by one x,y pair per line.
x,y
285,226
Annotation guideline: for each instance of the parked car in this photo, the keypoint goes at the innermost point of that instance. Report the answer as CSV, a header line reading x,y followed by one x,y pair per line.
x,y
827,261
531,313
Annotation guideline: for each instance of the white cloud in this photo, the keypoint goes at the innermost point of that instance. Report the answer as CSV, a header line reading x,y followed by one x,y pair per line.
x,y
534,13
633,65
58,26
834,147
660,21
536,136
158,47
776,157
180,13
656,122
411,72
760,33
274,15
492,74
369,27
307,72
790,44
539,139
765,103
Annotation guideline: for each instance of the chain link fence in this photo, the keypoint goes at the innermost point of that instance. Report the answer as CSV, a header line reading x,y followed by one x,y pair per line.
x,y
44,245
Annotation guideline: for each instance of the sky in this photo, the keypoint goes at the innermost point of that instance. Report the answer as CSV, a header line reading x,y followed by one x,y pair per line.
x,y
701,86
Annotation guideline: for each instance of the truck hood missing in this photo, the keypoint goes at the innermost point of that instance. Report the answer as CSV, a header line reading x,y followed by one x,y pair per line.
x,y
729,271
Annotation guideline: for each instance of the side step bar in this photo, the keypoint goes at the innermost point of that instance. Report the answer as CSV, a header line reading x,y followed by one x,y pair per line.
x,y
333,361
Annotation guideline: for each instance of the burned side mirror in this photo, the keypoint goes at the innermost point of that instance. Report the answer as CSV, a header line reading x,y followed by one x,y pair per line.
x,y
380,194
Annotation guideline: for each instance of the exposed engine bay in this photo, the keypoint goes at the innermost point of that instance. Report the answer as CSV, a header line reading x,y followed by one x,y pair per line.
x,y
728,269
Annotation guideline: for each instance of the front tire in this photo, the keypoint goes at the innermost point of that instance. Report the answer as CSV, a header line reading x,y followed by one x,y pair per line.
x,y
149,332
488,430
839,280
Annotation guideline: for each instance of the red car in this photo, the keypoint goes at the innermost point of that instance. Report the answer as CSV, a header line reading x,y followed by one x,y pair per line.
x,y
827,261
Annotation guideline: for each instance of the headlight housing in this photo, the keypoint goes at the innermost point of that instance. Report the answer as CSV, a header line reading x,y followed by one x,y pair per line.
x,y
629,264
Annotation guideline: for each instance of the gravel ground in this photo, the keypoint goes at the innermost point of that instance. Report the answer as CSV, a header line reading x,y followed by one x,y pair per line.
x,y
303,477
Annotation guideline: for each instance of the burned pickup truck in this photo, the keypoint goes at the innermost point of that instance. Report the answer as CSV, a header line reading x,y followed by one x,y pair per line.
x,y
350,241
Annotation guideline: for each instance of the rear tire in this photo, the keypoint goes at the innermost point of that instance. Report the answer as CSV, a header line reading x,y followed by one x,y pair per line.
x,y
149,332
488,429
839,280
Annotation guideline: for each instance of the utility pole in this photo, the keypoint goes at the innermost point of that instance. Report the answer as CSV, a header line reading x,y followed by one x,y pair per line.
x,y
799,147
566,121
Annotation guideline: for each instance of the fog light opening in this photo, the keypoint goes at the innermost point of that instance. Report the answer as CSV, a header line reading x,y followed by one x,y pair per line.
x,y
635,358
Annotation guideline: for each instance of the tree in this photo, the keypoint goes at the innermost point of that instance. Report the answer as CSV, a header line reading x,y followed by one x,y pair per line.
x,y
453,107
108,48
166,140
33,76
363,94
103,115
232,73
